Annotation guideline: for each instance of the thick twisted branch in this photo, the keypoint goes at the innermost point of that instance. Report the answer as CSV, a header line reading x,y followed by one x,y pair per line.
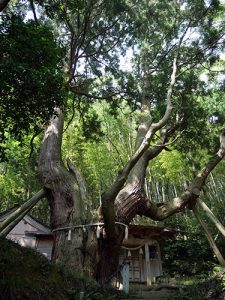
x,y
189,197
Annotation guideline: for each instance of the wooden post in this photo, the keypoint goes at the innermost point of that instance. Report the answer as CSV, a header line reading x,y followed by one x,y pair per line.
x,y
147,261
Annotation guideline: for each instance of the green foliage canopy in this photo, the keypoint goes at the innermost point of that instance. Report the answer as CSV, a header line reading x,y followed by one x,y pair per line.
x,y
30,75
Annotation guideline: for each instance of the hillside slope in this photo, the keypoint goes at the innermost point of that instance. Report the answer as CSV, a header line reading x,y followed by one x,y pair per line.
x,y
27,274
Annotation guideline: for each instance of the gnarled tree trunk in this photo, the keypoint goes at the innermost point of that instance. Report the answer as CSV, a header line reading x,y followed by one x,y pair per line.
x,y
66,203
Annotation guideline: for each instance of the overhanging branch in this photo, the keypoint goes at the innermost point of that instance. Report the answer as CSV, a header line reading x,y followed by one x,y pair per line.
x,y
190,196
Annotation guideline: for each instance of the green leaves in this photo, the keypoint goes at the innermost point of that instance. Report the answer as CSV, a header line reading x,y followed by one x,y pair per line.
x,y
30,75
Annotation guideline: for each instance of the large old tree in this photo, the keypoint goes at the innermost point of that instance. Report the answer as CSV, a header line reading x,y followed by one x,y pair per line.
x,y
172,42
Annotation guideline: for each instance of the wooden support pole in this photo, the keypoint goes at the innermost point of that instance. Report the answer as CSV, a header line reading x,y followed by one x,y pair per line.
x,y
209,238
212,217
7,225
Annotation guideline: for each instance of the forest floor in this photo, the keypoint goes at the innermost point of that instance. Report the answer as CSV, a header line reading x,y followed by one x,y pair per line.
x,y
28,275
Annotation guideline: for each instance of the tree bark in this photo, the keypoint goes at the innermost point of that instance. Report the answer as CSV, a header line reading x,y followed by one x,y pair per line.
x,y
66,203
109,251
